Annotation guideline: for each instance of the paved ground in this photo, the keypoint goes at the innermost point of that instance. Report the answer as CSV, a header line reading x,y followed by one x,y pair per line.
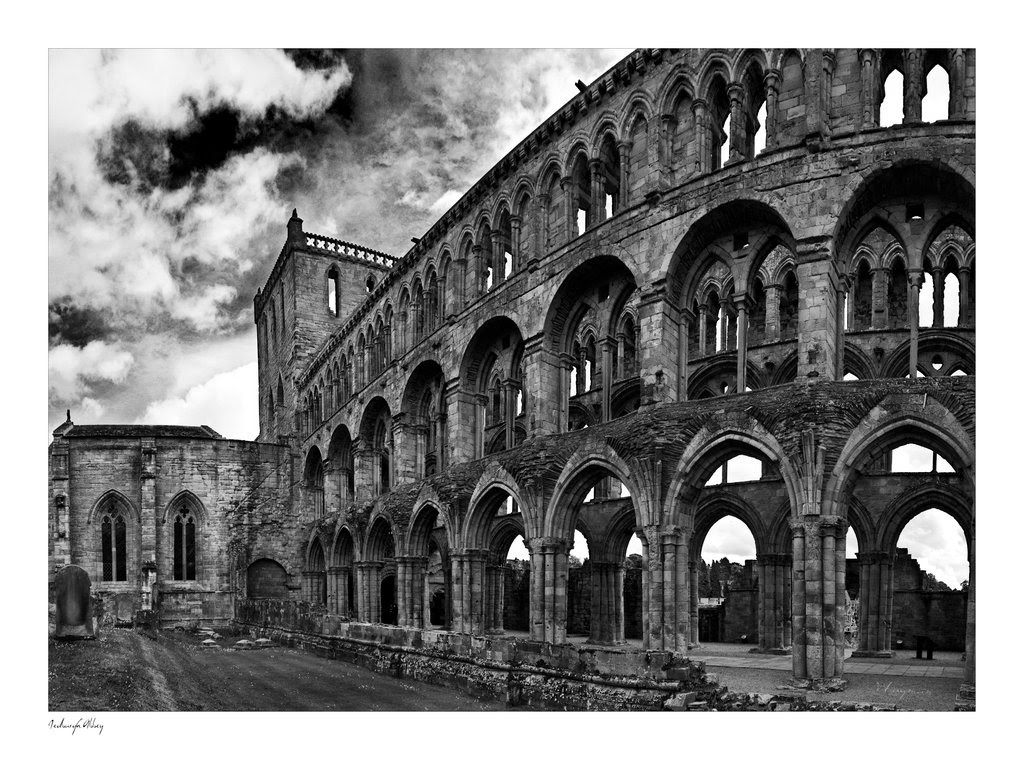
x,y
124,670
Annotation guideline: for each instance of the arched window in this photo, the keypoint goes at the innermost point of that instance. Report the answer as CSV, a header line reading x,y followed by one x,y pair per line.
x,y
898,294
333,292
891,107
862,297
610,160
184,545
582,201
720,123
789,308
935,103
114,539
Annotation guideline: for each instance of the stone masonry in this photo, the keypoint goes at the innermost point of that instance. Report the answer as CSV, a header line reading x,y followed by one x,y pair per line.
x,y
629,300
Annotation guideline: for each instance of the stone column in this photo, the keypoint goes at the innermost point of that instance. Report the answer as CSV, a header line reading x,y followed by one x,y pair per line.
x,y
597,190
842,301
772,318
495,617
938,296
624,146
516,244
601,605
957,84
879,298
549,565
771,89
686,326
817,279
607,351
868,88
913,85
148,527
964,317
658,352
474,565
569,207
787,602
885,589
700,121
476,281
497,259
737,124
668,578
702,327
333,597
663,176
694,568
818,597
914,287
458,616
740,302
544,389
539,247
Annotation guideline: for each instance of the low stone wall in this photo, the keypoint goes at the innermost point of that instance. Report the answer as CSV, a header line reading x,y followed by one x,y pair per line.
x,y
528,673
520,672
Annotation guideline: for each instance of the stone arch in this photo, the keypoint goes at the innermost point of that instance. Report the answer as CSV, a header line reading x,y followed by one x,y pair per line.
x,y
714,64
713,444
604,124
892,422
730,217
113,496
638,104
907,506
678,82
713,507
492,488
588,465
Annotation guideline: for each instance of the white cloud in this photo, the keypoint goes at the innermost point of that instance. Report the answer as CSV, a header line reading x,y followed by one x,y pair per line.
x,y
938,544
227,402
728,537
74,369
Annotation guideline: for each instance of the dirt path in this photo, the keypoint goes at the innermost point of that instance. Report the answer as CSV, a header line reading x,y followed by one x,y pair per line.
x,y
128,671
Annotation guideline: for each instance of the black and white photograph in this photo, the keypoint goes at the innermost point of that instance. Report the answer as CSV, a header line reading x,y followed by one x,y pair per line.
x,y
472,379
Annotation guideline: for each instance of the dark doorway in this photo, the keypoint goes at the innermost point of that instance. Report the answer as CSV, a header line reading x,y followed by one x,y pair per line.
x,y
388,603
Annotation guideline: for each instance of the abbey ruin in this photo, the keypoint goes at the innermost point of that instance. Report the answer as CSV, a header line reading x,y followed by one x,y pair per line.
x,y
633,297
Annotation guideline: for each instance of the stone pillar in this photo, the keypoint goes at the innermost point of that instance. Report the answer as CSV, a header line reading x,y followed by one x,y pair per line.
x,y
771,89
371,577
624,146
569,207
737,124
597,190
957,84
885,589
772,318
474,563
686,327
938,296
913,85
497,259
663,177
606,612
658,353
539,246
475,274
914,288
516,245
668,578
694,568
549,566
458,595
702,327
700,122
817,279
842,301
818,597
544,391
868,88
495,617
879,299
740,302
607,352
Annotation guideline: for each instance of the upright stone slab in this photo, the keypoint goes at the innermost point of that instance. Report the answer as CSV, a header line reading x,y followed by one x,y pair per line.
x,y
74,606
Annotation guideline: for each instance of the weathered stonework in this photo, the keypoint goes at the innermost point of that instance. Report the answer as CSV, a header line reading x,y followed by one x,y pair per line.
x,y
615,306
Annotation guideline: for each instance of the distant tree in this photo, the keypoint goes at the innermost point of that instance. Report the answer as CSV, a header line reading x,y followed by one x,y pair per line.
x,y
574,562
930,583
704,579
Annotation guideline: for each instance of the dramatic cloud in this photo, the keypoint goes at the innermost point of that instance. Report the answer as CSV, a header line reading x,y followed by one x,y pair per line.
x,y
172,173
226,402
74,371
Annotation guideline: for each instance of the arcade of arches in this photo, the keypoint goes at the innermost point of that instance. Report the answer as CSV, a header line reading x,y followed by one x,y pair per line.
x,y
592,349
711,285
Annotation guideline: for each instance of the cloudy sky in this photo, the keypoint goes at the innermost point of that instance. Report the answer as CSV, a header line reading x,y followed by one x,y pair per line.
x,y
172,174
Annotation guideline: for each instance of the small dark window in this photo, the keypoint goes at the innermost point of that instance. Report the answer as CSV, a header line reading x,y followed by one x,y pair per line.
x,y
739,241
184,546
915,212
370,284
115,547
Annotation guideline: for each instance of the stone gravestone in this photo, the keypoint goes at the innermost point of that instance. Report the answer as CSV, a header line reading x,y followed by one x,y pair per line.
x,y
74,607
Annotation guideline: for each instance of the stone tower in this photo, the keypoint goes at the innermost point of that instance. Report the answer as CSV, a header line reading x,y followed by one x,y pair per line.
x,y
317,283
